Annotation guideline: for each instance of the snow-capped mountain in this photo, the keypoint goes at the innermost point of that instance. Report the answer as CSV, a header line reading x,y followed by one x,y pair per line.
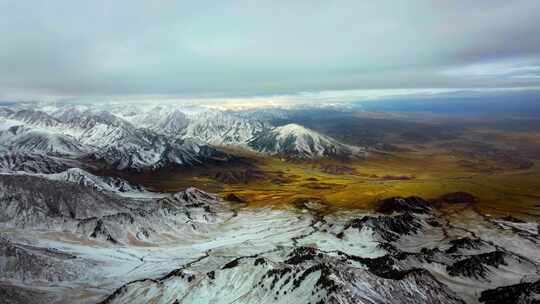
x,y
35,118
98,128
298,141
149,138
245,129
98,135
173,123
160,119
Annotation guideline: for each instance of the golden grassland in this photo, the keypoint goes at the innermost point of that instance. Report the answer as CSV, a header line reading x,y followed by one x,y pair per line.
x,y
433,176
432,172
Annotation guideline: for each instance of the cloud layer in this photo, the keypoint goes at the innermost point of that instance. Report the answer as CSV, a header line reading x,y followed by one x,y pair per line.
x,y
79,48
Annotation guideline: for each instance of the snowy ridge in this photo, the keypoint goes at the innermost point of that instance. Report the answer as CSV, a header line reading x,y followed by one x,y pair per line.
x,y
141,138
105,183
17,161
164,120
192,246
79,207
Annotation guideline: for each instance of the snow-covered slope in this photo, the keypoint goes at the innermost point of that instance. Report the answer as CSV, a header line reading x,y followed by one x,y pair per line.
x,y
296,140
222,128
74,202
402,257
165,120
35,118
302,275
91,246
101,183
17,161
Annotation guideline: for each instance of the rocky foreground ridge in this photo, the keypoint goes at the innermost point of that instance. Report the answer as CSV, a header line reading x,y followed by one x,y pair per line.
x,y
67,241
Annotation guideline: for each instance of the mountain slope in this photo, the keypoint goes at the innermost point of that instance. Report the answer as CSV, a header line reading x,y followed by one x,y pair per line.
x,y
102,183
221,128
298,141
18,137
35,202
15,161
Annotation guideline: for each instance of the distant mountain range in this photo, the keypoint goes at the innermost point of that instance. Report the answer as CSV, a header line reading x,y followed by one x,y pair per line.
x,y
132,138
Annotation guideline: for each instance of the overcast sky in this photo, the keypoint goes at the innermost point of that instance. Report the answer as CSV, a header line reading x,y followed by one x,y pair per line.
x,y
162,47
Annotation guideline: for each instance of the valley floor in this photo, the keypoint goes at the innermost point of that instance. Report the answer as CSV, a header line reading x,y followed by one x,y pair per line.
x,y
501,187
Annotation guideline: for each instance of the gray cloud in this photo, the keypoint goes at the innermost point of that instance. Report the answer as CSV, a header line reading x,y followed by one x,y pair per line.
x,y
105,47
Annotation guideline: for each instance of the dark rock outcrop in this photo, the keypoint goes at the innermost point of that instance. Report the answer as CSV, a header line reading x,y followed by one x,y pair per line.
x,y
412,204
232,197
239,176
337,169
457,198
464,243
476,266
390,228
523,293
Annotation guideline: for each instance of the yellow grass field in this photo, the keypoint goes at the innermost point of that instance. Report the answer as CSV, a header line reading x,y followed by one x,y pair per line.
x,y
428,172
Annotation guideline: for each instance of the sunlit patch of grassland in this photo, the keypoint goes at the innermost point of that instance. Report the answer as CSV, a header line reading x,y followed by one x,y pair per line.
x,y
429,172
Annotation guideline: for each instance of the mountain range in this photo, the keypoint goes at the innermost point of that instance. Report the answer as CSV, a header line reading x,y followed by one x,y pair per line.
x,y
157,137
